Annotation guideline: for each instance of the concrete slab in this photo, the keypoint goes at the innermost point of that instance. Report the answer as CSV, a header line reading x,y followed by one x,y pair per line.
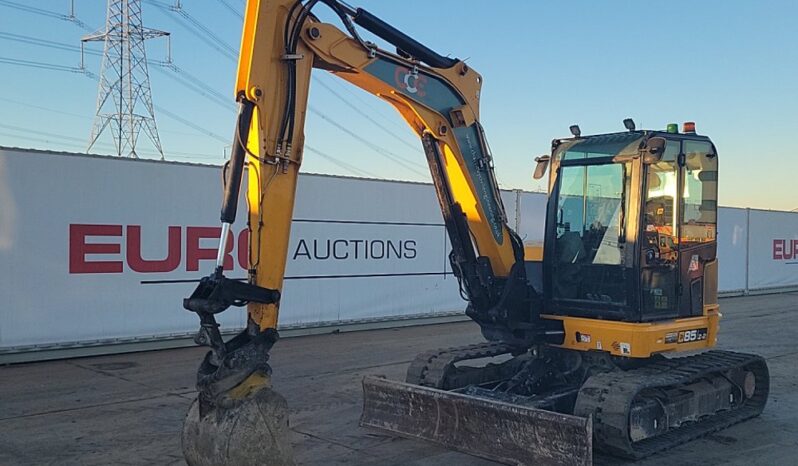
x,y
128,409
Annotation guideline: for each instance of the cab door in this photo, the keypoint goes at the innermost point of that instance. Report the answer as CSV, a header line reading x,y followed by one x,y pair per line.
x,y
659,251
697,222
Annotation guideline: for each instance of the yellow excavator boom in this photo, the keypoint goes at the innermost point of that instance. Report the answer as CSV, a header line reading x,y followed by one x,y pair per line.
x,y
282,42
441,105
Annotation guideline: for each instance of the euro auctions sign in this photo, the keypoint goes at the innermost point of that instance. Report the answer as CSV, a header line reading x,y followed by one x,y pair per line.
x,y
105,249
336,249
785,250
98,249
772,249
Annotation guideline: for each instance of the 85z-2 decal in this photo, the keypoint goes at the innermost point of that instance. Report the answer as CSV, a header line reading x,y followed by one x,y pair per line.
x,y
687,336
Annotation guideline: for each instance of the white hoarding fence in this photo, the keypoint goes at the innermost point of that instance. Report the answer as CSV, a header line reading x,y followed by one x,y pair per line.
x,y
732,249
104,249
772,249
90,251
533,219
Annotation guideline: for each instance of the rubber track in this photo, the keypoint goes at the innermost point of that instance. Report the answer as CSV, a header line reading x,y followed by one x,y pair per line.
x,y
608,397
430,368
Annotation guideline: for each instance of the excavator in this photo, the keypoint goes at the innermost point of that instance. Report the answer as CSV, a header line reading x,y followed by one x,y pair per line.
x,y
600,340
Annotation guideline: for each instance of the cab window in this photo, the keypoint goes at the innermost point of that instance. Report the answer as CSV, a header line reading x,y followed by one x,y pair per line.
x,y
699,202
661,188
589,261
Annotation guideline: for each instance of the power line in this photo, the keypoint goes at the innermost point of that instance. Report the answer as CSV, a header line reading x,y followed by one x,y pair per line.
x,y
399,160
41,65
94,77
196,28
182,77
31,9
61,139
368,104
191,125
45,43
51,110
48,13
203,89
340,163
201,84
205,34
41,133
47,141
79,141
76,115
231,9
195,85
209,33
361,112
47,66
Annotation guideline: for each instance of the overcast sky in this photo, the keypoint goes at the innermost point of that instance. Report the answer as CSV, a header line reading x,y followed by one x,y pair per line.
x,y
731,66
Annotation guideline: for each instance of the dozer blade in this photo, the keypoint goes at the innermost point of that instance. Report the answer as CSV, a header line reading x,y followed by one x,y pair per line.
x,y
495,430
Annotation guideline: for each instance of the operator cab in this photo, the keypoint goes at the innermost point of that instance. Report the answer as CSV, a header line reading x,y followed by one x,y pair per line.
x,y
631,225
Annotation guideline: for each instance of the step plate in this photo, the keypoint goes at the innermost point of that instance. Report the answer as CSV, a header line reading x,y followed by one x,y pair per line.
x,y
489,429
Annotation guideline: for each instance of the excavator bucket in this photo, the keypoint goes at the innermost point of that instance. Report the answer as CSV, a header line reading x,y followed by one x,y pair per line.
x,y
495,430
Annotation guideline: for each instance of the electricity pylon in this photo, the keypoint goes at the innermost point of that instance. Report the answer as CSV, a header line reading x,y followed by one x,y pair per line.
x,y
124,102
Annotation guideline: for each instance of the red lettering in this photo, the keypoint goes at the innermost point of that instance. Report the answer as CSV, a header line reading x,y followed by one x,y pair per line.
x,y
138,264
778,249
194,253
243,249
78,248
792,253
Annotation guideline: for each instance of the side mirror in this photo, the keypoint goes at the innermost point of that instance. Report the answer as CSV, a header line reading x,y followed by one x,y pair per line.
x,y
542,165
655,148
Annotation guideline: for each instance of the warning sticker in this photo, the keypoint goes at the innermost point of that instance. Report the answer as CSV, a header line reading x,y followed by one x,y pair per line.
x,y
694,263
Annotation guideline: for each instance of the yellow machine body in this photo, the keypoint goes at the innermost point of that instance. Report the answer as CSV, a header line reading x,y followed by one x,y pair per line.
x,y
639,282
641,340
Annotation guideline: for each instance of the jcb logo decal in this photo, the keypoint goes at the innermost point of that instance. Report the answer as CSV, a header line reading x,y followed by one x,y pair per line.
x,y
410,81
